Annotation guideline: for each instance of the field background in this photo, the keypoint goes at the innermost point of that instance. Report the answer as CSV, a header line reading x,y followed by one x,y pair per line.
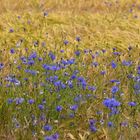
x,y
101,24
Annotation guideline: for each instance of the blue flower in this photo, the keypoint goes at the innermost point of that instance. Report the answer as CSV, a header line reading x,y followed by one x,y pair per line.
x,y
1,66
74,107
12,51
19,100
59,108
113,64
92,88
31,101
111,102
114,89
52,56
66,42
92,122
132,104
78,38
47,127
127,63
41,107
77,53
93,128
110,124
11,30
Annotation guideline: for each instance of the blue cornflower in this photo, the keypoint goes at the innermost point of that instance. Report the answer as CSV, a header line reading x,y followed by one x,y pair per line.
x,y
77,53
103,72
41,107
110,124
132,104
52,56
47,127
12,51
11,30
10,101
93,128
1,66
59,108
19,100
66,42
33,55
31,101
31,62
127,63
74,107
114,89
92,88
113,64
111,102
92,122
78,39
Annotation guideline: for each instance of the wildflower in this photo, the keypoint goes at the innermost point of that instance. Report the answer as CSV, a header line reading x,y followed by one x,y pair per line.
x,y
59,108
127,63
114,89
93,128
66,42
110,124
31,101
47,127
19,100
132,104
78,39
11,30
103,72
41,107
77,53
12,51
92,88
111,102
113,64
52,56
74,107
10,101
1,66
92,122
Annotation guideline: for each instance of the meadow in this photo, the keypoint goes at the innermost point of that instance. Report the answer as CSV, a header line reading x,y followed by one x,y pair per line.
x,y
69,70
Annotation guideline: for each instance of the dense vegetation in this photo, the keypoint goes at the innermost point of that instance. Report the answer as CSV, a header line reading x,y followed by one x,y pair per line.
x,y
69,70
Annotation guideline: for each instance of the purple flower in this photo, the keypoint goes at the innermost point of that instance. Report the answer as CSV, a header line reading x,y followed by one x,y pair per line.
x,y
77,53
52,56
47,127
78,39
11,30
1,66
132,104
31,101
74,107
111,102
19,100
110,124
59,108
12,51
92,122
93,128
113,64
41,107
66,42
114,89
